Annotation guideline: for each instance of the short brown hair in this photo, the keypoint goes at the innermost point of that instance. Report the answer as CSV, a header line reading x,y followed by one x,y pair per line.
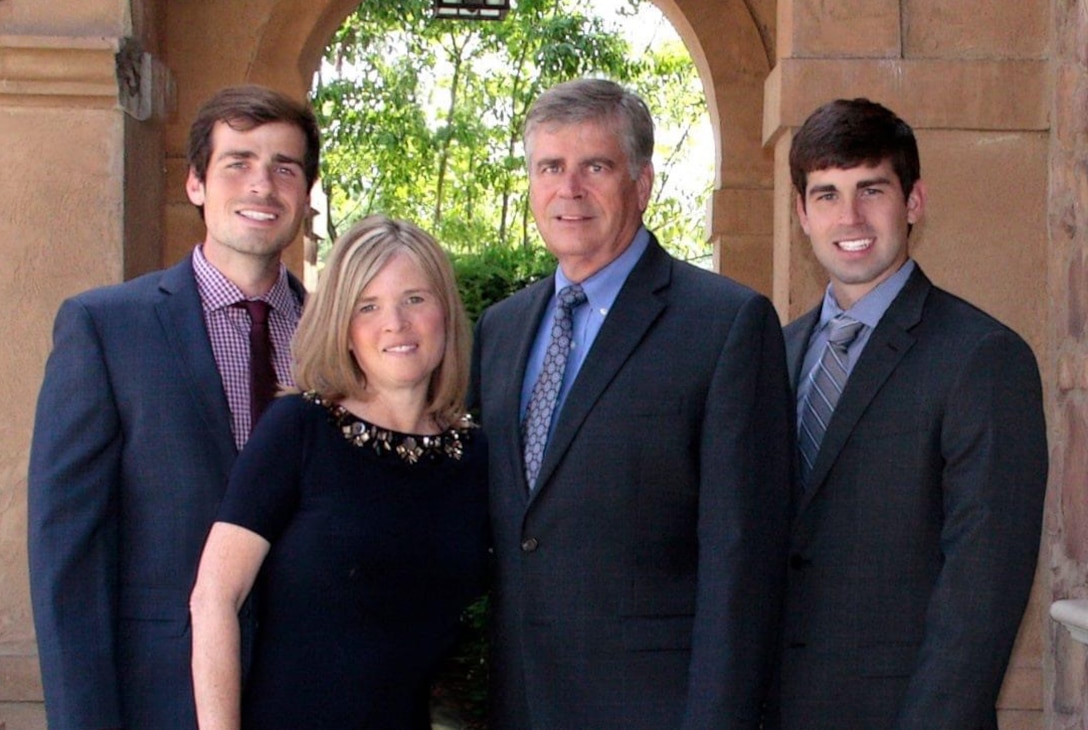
x,y
846,133
244,108
322,358
595,100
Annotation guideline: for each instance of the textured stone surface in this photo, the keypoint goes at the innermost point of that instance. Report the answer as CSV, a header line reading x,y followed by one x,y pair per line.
x,y
839,28
1066,544
975,29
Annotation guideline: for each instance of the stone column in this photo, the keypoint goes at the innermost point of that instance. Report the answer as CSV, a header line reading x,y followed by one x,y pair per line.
x,y
63,159
81,209
1066,544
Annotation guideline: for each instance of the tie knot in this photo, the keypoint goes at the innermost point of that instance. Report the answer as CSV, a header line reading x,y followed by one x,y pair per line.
x,y
843,331
257,308
571,296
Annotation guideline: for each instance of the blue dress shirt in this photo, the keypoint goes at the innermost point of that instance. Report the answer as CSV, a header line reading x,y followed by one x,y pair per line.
x,y
601,291
868,310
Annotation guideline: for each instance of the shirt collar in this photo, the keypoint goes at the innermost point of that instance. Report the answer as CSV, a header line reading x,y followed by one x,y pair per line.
x,y
604,286
219,292
870,308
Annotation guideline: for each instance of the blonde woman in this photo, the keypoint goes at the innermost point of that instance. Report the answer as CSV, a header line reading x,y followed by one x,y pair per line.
x,y
358,507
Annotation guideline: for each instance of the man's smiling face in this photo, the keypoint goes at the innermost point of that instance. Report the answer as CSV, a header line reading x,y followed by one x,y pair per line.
x,y
585,202
254,193
858,219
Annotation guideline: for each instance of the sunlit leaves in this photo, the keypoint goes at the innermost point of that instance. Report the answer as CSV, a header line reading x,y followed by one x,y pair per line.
x,y
422,118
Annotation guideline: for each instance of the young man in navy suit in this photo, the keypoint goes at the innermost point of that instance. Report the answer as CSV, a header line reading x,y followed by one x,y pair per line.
x,y
922,454
145,403
640,522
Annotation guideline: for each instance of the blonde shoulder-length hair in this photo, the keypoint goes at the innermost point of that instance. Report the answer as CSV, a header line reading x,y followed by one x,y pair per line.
x,y
323,361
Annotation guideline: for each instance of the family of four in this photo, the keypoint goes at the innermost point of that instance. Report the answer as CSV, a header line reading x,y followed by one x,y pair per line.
x,y
688,519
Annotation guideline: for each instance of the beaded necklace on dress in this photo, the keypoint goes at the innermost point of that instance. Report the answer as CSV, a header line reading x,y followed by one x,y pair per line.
x,y
410,448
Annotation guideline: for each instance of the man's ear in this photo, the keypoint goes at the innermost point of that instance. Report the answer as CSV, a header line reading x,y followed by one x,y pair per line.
x,y
645,186
802,214
916,202
194,188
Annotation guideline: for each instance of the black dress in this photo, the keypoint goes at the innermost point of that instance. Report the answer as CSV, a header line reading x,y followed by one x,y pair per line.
x,y
379,541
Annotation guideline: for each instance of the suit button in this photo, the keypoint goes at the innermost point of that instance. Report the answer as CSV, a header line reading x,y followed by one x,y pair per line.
x,y
529,545
797,562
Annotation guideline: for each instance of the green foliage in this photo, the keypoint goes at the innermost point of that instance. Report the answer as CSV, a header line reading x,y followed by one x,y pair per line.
x,y
459,697
492,274
422,118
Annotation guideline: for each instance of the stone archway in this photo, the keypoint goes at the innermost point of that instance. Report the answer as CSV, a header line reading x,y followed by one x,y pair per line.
x,y
974,86
996,89
280,43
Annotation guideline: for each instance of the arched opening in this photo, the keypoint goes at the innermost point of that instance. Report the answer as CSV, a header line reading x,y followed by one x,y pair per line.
x,y
422,119
280,43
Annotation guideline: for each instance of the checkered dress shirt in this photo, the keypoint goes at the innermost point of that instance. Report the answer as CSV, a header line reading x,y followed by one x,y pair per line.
x,y
228,330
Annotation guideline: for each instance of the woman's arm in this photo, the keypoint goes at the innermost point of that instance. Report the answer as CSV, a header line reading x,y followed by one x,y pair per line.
x,y
229,565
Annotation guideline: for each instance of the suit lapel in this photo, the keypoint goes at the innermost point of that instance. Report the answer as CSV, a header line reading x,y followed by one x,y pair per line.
x,y
797,336
519,332
889,342
181,315
634,311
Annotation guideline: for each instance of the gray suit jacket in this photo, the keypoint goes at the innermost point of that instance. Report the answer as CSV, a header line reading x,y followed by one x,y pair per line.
x,y
914,545
131,451
638,586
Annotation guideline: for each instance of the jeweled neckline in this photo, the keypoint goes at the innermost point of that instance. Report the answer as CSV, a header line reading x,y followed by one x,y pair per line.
x,y
410,448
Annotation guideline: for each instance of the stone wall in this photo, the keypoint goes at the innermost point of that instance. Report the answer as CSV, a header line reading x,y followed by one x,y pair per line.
x,y
1066,543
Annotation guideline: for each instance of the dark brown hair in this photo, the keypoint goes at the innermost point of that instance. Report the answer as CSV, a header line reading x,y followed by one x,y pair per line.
x,y
244,108
846,133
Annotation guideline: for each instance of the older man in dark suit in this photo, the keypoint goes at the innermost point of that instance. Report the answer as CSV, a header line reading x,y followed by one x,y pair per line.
x,y
923,459
637,412
147,399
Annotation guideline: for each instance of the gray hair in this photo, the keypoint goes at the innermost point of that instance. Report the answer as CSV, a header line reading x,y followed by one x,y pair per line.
x,y
597,100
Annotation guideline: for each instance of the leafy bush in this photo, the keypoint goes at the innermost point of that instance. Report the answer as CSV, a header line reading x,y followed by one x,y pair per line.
x,y
494,273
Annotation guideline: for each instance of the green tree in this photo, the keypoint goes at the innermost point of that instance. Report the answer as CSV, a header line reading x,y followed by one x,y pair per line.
x,y
422,117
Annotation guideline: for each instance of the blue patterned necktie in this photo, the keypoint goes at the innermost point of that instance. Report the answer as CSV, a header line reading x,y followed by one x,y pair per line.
x,y
826,382
542,400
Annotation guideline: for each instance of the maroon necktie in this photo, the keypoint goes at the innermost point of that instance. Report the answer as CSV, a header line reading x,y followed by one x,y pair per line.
x,y
262,374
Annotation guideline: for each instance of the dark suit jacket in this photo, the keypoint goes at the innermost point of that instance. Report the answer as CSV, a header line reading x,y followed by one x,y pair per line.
x,y
914,546
638,586
132,448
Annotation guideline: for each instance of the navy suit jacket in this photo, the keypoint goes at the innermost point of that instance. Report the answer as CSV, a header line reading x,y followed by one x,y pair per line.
x,y
131,451
638,585
915,542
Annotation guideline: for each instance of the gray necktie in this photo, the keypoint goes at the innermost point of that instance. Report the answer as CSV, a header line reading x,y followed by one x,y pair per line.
x,y
538,413
825,386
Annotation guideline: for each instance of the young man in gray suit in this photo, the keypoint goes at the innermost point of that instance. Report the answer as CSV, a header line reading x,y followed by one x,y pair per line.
x,y
922,453
638,416
145,403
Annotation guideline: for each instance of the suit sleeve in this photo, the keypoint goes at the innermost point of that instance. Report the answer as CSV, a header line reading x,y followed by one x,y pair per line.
x,y
73,484
472,398
745,457
993,444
